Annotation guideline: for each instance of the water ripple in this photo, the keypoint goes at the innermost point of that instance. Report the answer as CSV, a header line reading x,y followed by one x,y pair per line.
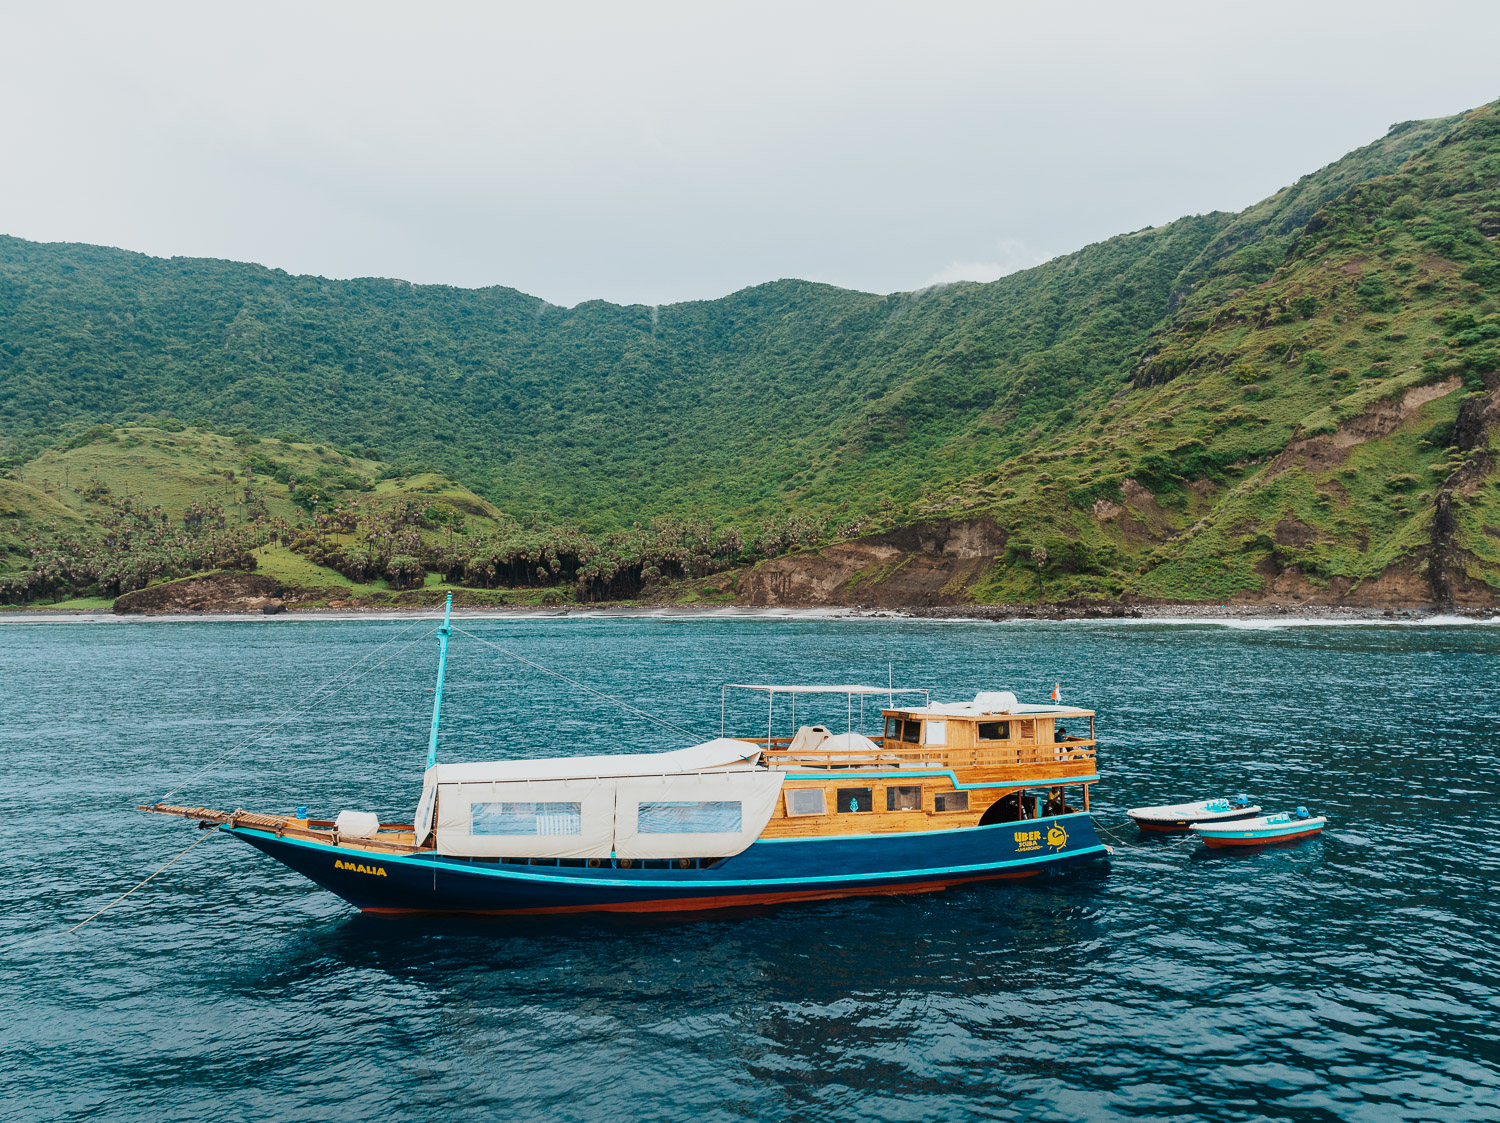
x,y
1349,978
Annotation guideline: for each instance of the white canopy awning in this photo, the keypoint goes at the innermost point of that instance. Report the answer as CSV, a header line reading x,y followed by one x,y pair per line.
x,y
720,753
825,689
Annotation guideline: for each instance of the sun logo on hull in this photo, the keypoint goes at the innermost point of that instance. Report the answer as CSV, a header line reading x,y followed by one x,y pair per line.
x,y
1057,838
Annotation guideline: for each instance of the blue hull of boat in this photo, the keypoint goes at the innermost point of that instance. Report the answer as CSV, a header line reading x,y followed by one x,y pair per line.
x,y
770,871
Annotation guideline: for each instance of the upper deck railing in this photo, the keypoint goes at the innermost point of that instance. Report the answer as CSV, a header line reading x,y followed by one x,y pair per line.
x,y
901,754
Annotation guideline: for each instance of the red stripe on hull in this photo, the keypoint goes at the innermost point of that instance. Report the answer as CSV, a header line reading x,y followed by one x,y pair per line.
x,y
1272,841
702,904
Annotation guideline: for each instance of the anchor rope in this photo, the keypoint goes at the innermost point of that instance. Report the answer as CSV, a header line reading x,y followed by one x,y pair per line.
x,y
1111,831
307,703
653,718
208,835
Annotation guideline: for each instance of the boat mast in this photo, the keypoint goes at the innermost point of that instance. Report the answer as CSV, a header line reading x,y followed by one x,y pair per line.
x,y
437,700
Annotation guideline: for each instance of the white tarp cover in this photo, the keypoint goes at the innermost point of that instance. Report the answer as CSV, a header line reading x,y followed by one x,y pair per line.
x,y
721,752
705,816
857,743
425,806
527,819
357,824
565,807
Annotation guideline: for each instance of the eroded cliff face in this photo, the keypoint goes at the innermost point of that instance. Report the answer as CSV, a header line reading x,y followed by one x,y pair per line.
x,y
927,564
214,592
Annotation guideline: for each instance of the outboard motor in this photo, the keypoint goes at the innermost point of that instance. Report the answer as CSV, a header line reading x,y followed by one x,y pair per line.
x,y
1242,800
1302,813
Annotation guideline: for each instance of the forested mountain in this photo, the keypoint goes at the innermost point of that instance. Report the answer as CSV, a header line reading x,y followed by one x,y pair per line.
x,y
785,395
1295,397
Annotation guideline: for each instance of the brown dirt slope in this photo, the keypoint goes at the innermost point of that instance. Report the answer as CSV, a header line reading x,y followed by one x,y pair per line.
x,y
215,592
931,563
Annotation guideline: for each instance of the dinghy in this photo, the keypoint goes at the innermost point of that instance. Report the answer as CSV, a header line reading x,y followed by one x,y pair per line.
x,y
1270,830
1181,816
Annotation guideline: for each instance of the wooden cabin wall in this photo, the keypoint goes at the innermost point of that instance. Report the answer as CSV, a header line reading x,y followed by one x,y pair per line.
x,y
881,821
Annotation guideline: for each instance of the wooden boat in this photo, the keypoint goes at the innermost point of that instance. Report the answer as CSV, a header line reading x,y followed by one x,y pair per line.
x,y
942,795
1179,817
1270,830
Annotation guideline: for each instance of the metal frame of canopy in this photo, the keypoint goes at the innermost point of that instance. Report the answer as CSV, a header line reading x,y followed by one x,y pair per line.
x,y
849,691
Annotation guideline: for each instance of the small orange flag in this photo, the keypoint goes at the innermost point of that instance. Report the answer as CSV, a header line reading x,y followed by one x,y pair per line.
x,y
1057,693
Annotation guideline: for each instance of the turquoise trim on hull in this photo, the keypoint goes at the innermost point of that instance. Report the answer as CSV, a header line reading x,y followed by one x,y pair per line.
x,y
677,885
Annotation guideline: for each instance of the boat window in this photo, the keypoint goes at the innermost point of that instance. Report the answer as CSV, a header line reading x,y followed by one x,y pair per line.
x,y
526,818
806,801
912,731
893,728
712,816
904,798
856,800
951,801
1028,730
994,731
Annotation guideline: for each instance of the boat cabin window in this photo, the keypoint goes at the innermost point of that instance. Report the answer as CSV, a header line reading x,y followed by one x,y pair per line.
x,y
950,801
806,801
897,729
710,816
904,798
994,731
1028,730
854,800
526,818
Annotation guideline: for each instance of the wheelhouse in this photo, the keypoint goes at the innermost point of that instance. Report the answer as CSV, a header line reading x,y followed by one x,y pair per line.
x,y
928,766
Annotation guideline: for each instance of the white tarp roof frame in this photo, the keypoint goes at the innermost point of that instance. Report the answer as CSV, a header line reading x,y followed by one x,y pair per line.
x,y
767,689
849,690
968,709
720,753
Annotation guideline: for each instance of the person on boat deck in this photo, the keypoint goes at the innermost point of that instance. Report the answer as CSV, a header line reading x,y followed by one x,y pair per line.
x,y
1056,805
1060,734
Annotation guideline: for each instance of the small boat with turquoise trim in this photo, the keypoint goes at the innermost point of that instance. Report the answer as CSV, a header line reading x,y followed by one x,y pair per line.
x,y
936,795
1179,817
1268,830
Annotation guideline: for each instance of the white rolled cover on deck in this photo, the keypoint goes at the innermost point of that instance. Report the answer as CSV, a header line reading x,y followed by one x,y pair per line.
x,y
709,815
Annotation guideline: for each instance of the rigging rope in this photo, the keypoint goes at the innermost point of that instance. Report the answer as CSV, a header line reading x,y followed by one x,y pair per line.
x,y
306,704
663,722
138,885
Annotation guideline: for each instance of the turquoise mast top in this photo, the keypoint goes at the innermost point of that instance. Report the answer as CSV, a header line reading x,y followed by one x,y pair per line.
x,y
437,701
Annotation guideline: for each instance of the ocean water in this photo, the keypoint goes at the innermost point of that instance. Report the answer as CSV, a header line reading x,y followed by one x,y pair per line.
x,y
1351,977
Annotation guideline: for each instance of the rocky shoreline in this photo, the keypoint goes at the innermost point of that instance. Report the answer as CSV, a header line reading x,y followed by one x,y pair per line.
x,y
227,595
973,612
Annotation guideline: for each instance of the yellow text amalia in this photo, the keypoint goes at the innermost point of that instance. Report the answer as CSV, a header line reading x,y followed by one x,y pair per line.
x,y
359,867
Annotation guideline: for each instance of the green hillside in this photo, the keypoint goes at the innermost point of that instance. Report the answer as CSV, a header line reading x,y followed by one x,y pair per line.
x,y
1288,403
788,396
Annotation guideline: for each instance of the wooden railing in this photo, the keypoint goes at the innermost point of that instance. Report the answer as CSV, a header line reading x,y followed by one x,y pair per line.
x,y
902,754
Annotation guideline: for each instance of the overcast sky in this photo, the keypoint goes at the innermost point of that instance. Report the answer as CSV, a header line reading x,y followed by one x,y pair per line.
x,y
662,152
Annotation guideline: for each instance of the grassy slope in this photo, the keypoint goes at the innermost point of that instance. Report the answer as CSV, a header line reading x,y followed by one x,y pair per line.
x,y
785,396
1391,286
173,470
